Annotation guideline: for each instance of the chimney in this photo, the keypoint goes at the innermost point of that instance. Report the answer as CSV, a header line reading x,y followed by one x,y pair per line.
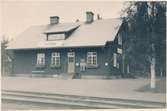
x,y
54,20
89,17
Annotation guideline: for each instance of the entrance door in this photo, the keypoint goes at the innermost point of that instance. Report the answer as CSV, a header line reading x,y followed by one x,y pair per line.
x,y
71,62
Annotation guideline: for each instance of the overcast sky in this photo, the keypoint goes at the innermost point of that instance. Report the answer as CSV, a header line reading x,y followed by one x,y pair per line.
x,y
17,16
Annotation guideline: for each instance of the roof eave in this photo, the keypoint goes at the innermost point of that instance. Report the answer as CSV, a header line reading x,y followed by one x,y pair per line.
x,y
88,46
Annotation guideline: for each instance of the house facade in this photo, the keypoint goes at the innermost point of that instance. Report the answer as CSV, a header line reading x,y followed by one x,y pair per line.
x,y
93,47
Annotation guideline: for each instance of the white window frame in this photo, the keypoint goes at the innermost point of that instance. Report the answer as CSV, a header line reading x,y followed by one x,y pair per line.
x,y
119,39
115,59
40,58
119,50
56,37
71,57
53,20
92,58
55,59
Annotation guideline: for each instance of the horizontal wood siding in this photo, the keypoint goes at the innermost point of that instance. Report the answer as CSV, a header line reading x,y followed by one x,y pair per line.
x,y
25,60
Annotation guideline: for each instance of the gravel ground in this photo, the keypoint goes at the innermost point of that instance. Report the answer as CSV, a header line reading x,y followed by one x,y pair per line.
x,y
17,105
117,88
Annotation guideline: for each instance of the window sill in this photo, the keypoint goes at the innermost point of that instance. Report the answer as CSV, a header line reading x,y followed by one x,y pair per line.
x,y
40,66
92,66
55,66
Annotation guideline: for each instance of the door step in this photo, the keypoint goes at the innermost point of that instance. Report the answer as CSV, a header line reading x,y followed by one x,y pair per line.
x,y
66,76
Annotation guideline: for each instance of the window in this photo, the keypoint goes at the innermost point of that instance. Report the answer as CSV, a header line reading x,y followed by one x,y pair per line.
x,y
56,37
71,56
92,58
119,50
118,65
55,59
40,59
119,40
70,59
115,60
54,19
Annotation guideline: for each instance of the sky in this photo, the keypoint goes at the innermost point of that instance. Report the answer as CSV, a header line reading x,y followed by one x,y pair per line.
x,y
18,16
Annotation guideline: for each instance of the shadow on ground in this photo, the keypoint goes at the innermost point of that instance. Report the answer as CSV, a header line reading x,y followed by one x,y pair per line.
x,y
160,87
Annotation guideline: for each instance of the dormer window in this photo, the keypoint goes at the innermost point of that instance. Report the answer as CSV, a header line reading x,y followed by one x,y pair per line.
x,y
56,36
59,31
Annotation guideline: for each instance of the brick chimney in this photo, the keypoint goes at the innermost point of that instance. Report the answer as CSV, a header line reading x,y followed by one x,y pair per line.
x,y
54,19
89,17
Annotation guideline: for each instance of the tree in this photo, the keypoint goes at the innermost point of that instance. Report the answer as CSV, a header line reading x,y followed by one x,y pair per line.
x,y
6,60
145,44
4,43
157,10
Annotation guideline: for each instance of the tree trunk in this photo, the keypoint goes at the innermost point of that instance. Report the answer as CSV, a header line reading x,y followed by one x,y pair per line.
x,y
152,68
123,64
152,73
128,69
161,72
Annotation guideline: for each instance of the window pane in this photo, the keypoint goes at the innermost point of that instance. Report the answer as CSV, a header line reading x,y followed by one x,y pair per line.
x,y
94,53
56,37
40,58
70,59
53,54
92,58
89,60
55,59
71,54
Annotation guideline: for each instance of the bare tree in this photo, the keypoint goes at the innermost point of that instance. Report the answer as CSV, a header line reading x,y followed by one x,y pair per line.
x,y
6,60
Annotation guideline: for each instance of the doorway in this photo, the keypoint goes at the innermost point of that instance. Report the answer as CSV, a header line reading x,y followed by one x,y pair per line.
x,y
71,62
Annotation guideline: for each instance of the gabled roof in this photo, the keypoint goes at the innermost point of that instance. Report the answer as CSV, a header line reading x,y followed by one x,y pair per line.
x,y
86,35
